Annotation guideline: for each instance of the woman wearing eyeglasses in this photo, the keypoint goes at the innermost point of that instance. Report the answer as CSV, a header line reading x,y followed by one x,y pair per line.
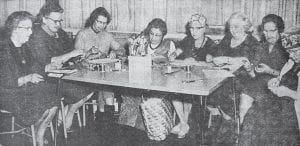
x,y
151,42
196,46
23,90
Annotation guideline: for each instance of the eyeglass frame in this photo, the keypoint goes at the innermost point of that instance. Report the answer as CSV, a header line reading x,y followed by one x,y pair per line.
x,y
55,21
101,22
156,35
25,28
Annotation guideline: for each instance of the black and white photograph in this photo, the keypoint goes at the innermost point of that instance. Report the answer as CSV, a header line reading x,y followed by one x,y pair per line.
x,y
149,72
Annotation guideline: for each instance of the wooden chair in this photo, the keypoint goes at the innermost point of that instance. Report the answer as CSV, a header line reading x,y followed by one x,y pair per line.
x,y
22,130
62,112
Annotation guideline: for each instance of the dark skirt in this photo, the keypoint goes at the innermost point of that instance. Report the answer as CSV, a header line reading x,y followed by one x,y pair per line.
x,y
28,103
270,122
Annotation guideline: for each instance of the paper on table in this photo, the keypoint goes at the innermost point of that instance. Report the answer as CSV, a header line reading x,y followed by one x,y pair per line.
x,y
62,71
55,75
102,61
217,73
186,63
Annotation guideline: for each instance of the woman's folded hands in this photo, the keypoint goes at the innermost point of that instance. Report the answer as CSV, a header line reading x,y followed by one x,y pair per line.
x,y
32,78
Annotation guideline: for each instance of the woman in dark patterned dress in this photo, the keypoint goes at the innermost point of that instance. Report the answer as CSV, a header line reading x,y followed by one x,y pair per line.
x,y
287,88
262,120
23,91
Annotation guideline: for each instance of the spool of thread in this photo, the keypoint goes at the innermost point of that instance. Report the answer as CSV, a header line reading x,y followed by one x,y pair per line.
x,y
169,68
188,68
118,65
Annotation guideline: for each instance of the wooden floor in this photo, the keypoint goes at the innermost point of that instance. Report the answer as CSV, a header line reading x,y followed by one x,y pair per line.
x,y
97,133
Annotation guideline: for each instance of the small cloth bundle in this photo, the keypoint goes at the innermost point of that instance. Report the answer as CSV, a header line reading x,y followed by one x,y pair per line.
x,y
158,118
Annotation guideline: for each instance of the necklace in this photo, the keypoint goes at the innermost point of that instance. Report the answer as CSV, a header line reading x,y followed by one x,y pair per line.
x,y
202,43
154,47
235,42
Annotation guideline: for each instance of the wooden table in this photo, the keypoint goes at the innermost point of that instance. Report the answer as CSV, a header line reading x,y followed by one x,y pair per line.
x,y
205,79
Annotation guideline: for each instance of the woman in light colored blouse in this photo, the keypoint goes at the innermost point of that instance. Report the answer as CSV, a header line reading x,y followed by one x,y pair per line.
x,y
151,42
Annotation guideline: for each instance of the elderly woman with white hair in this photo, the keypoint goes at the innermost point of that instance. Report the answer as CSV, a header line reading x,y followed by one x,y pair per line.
x,y
240,47
23,91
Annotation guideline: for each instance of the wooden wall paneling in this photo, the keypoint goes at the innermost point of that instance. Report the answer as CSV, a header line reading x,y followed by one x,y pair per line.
x,y
22,5
290,14
219,12
160,9
171,15
262,10
113,10
86,11
107,4
227,10
210,11
178,14
124,17
297,23
184,14
137,15
92,5
236,5
2,12
131,13
33,6
65,4
148,13
134,15
12,6
256,14
76,13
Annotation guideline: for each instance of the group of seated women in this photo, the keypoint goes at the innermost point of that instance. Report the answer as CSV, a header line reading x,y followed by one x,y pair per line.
x,y
267,83
266,95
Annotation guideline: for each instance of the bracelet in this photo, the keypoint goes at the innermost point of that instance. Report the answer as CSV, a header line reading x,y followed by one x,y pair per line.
x,y
273,72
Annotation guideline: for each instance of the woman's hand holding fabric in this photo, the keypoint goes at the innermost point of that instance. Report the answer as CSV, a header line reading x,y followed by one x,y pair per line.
x,y
263,68
273,83
112,55
172,56
209,58
221,60
282,91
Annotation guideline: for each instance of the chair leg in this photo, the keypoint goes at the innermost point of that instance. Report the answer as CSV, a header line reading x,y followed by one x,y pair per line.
x,y
63,119
84,115
94,104
12,125
33,135
52,130
79,118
